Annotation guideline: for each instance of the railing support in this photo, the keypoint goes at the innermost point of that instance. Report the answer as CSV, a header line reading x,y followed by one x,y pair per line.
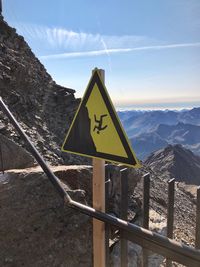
x,y
197,239
146,197
170,214
123,215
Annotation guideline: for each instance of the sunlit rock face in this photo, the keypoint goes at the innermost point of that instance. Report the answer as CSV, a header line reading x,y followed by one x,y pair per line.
x,y
43,108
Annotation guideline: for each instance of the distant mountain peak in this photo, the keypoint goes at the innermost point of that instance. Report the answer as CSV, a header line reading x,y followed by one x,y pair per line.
x,y
175,161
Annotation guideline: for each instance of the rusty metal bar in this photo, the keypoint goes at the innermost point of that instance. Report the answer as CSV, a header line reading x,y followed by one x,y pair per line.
x,y
170,214
170,208
197,235
146,197
123,215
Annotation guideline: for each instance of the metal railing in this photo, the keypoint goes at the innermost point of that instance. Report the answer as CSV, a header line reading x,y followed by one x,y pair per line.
x,y
147,239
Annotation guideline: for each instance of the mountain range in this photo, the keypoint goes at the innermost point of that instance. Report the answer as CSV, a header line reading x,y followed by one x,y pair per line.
x,y
152,130
175,162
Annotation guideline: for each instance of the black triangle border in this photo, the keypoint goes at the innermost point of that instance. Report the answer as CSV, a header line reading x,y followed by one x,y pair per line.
x,y
131,159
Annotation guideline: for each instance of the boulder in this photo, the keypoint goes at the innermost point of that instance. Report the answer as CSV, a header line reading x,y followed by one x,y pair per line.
x,y
13,156
37,228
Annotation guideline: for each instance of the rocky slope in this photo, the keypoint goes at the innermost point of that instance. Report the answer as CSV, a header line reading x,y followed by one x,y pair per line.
x,y
176,162
43,108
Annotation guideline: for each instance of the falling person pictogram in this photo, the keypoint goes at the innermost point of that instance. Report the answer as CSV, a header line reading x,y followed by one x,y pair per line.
x,y
99,127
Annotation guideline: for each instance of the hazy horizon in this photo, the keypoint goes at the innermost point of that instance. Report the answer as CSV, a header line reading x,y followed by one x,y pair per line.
x,y
157,106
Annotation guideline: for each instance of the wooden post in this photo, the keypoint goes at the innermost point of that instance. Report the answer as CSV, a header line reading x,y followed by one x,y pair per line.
x,y
146,196
99,251
123,215
107,226
197,239
170,214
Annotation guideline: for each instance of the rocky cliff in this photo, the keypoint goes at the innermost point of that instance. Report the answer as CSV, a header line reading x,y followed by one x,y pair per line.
x,y
43,108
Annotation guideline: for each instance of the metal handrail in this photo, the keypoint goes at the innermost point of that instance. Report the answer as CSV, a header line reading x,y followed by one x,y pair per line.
x,y
152,241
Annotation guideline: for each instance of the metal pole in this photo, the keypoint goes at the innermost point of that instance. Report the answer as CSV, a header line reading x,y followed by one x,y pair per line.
x,y
197,239
170,208
146,196
124,211
170,214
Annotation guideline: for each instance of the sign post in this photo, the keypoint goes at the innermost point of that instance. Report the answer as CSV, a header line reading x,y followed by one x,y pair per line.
x,y
96,132
98,184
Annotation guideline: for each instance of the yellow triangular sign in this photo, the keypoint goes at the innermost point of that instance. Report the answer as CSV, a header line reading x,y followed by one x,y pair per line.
x,y
96,130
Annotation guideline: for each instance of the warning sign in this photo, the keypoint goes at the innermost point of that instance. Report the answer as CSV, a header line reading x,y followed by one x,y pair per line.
x,y
96,130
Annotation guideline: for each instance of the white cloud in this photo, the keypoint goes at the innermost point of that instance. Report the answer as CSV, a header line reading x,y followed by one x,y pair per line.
x,y
64,43
117,51
64,39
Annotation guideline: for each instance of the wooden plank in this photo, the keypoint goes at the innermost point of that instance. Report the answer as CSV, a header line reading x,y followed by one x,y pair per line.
x,y
170,214
99,249
107,226
123,215
99,255
197,239
146,196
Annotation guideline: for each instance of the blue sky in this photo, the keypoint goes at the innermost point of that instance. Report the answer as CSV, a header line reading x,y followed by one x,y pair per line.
x,y
150,50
